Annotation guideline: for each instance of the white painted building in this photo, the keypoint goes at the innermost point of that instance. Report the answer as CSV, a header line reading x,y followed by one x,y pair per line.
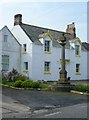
x,y
40,55
10,52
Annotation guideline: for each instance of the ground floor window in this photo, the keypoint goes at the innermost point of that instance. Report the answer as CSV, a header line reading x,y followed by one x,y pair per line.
x,y
26,65
46,66
5,62
77,68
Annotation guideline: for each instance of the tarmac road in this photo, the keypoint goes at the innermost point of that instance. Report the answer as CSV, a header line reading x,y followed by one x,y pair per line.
x,y
40,104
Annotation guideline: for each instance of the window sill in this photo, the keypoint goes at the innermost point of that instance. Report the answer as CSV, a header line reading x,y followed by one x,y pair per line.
x,y
78,73
47,52
77,55
24,52
25,71
47,73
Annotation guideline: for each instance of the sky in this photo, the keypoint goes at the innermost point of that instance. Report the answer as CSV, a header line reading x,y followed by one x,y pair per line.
x,y
49,14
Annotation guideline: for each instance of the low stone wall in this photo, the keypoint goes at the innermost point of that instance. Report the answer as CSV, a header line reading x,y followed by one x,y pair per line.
x,y
86,82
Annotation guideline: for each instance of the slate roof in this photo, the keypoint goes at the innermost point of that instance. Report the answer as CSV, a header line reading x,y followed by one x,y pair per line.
x,y
85,45
33,33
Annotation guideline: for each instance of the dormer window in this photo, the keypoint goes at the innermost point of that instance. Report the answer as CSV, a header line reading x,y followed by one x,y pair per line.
x,y
47,46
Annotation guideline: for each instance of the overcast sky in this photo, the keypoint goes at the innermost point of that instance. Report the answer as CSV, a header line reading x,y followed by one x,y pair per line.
x,y
55,15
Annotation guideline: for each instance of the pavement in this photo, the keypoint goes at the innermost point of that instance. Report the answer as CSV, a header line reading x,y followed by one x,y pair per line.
x,y
40,104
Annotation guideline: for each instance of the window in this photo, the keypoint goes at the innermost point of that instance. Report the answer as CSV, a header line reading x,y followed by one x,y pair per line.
x,y
26,65
5,62
77,49
5,38
46,66
77,68
47,46
24,47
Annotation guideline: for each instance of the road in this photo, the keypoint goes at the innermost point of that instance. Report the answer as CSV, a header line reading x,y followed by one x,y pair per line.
x,y
40,104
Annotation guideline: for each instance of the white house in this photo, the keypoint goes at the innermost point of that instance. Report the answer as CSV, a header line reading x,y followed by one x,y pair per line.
x,y
10,51
40,55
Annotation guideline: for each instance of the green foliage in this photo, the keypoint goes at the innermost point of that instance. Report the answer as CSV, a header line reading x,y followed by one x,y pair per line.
x,y
18,83
49,88
22,78
12,76
27,84
44,86
81,88
36,85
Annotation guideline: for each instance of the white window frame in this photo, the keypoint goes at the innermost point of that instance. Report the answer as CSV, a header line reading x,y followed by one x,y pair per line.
x,y
24,47
47,45
5,38
77,68
5,62
47,66
26,65
77,49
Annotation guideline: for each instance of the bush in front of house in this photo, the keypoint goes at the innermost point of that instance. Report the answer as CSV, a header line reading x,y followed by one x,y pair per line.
x,y
81,88
27,84
18,83
12,76
36,85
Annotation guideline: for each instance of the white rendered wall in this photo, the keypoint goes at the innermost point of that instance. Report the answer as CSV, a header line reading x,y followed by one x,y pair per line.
x,y
36,57
0,50
13,49
23,39
88,65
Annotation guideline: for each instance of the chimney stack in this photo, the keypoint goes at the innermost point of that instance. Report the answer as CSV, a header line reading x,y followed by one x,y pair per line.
x,y
71,29
17,19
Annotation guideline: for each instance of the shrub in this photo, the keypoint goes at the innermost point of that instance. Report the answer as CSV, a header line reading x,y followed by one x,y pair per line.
x,y
13,76
27,84
43,86
82,88
22,77
18,83
36,85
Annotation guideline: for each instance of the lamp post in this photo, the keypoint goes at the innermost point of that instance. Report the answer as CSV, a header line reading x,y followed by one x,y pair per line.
x,y
63,72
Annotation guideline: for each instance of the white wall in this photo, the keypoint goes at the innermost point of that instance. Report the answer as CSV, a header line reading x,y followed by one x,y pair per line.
x,y
88,65
0,50
39,57
36,57
13,49
23,39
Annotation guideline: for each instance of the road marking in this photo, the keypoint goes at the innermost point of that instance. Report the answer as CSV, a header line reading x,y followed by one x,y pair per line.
x,y
53,114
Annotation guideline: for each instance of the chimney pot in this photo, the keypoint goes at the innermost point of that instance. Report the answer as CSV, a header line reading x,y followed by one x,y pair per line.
x,y
17,19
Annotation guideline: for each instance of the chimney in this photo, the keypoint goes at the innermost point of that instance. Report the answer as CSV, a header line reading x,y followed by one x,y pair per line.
x,y
17,19
71,29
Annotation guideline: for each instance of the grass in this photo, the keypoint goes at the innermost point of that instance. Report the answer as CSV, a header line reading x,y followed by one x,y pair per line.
x,y
81,88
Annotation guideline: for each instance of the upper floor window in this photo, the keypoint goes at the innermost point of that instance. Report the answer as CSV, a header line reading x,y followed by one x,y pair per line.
x,y
5,62
5,38
77,49
47,46
24,47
